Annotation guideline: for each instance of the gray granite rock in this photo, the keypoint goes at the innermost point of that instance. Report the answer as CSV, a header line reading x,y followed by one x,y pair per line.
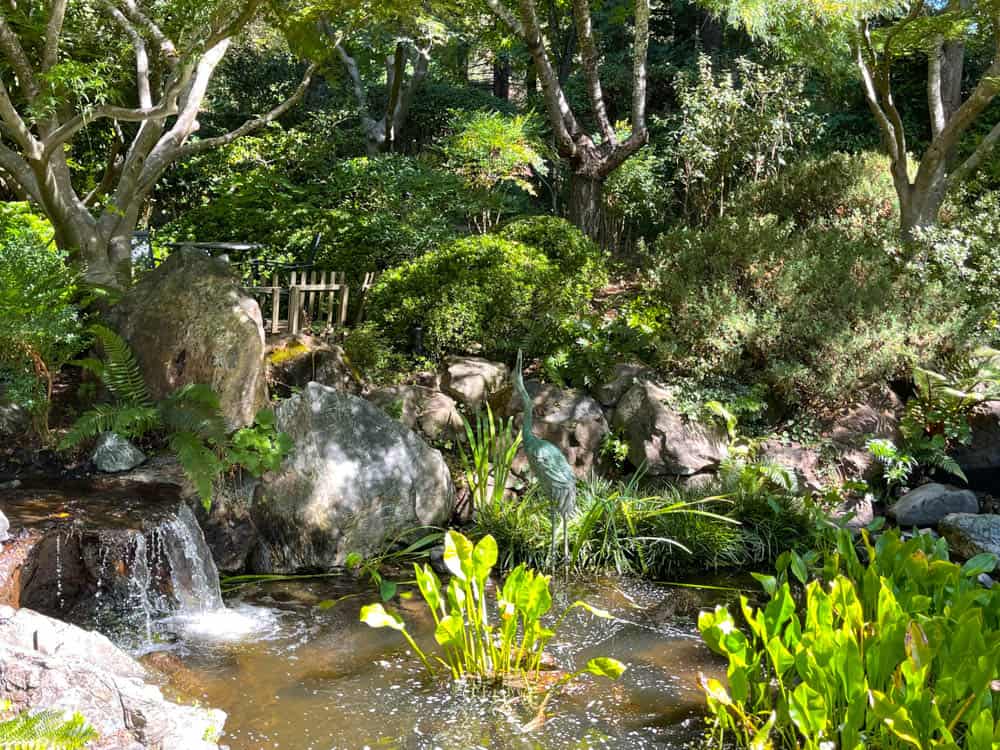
x,y
113,454
929,503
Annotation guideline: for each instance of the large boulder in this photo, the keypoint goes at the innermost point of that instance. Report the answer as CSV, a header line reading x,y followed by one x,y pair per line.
x,y
568,418
980,459
293,362
188,321
355,479
876,416
928,504
470,380
435,414
804,463
970,534
47,664
623,377
661,438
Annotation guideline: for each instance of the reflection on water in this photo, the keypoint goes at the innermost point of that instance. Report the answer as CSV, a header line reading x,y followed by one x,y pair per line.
x,y
293,675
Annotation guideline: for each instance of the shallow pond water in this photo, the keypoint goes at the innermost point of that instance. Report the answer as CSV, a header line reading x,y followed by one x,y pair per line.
x,y
292,674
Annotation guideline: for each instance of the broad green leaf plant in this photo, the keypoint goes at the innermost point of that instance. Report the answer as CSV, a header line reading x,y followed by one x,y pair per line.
x,y
903,652
478,643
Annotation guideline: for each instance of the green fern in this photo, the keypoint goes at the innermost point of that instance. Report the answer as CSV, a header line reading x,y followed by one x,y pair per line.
x,y
119,371
201,464
45,730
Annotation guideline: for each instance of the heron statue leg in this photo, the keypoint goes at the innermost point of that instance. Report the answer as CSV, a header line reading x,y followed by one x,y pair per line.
x,y
554,515
565,543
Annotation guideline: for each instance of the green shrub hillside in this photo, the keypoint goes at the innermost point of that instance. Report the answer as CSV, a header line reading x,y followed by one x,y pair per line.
x,y
487,292
799,287
283,188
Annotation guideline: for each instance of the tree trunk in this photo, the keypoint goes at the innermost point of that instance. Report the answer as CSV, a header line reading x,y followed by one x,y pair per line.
x,y
586,206
501,77
919,208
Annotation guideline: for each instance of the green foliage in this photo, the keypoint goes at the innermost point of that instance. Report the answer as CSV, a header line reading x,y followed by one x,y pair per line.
x,y
625,527
735,127
369,351
483,291
40,320
801,288
473,644
400,550
282,188
44,730
495,154
261,447
901,652
190,417
492,446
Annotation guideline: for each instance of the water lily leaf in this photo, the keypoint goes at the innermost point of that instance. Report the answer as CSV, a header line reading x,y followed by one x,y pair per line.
x,y
386,589
604,666
458,555
375,616
807,710
715,690
429,585
449,631
484,557
982,563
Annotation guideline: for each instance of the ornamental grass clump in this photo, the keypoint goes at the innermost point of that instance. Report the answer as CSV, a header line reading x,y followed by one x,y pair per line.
x,y
493,647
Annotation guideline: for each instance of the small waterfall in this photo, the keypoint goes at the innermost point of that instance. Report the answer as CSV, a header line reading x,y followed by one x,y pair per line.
x,y
194,578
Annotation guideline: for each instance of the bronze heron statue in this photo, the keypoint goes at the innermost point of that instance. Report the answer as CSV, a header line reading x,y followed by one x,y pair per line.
x,y
550,467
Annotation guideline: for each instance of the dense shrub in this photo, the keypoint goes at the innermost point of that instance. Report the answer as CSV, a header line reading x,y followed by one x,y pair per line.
x,y
801,287
282,188
484,292
40,326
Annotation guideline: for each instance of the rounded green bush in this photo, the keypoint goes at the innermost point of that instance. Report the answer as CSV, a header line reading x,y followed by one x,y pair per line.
x,y
485,293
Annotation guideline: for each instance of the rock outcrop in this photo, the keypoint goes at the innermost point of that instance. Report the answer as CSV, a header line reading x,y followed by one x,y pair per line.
x,y
355,479
660,438
970,534
296,361
49,664
188,321
470,380
432,412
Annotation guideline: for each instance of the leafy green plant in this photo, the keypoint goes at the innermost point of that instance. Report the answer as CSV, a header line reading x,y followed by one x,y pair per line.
x,y
475,645
41,324
44,730
897,465
398,551
901,652
486,462
260,447
190,416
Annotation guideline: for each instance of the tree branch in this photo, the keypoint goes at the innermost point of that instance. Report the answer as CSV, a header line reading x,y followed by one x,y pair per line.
x,y
141,56
72,126
251,125
53,31
136,16
640,53
12,50
17,126
588,56
970,165
20,171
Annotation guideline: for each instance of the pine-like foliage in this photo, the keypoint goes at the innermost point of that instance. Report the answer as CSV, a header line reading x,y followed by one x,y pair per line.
x,y
45,730
191,416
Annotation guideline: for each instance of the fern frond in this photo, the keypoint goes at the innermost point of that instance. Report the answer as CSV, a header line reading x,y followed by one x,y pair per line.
x,y
46,730
91,364
121,371
200,463
101,418
135,421
194,409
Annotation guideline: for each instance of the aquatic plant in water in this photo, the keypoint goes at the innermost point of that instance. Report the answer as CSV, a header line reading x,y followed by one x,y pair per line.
x,y
492,650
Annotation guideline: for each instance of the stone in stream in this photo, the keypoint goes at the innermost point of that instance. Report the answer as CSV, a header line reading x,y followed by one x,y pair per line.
x,y
970,534
113,454
48,664
929,503
355,480
188,321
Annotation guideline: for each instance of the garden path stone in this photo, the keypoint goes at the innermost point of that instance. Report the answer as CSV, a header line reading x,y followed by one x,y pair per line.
x,y
928,504
188,321
970,534
113,454
355,479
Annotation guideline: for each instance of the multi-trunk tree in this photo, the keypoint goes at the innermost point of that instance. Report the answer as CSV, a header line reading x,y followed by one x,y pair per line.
x,y
64,75
591,157
880,35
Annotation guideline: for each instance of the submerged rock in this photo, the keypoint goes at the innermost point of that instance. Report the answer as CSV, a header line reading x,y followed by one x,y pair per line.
x,y
355,480
113,454
969,534
188,321
47,664
929,503
660,438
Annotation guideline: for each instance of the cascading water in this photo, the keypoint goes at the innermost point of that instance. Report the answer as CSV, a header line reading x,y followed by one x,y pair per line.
x,y
193,576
